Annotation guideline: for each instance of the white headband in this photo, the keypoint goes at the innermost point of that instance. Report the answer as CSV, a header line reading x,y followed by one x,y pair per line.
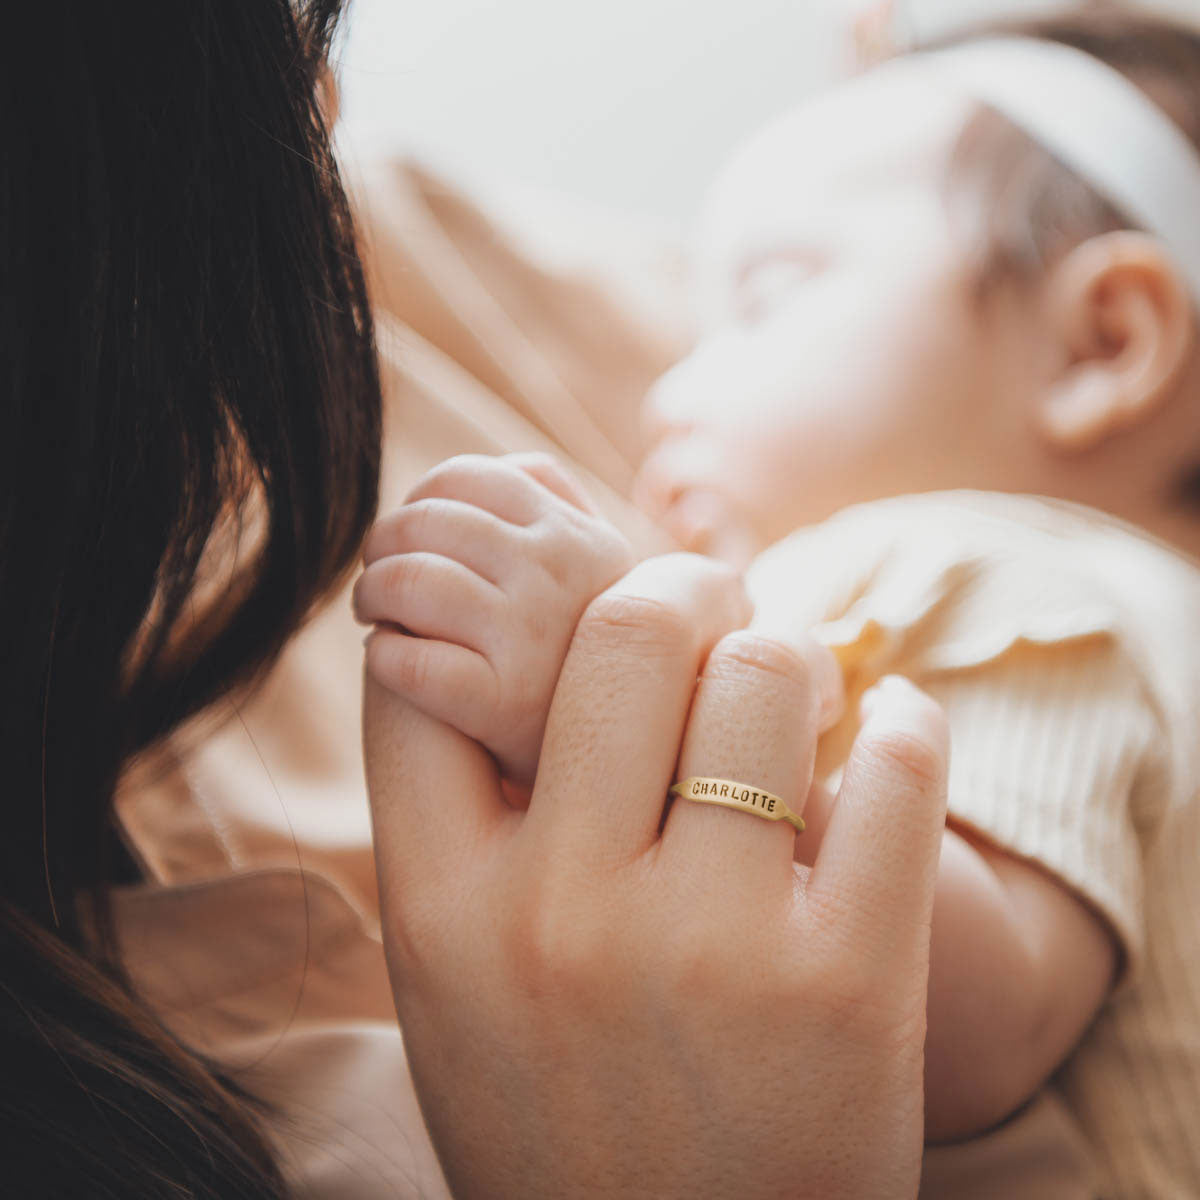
x,y
1098,124
914,23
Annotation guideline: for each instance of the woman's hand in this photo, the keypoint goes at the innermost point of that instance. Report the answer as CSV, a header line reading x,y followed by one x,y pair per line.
x,y
595,1008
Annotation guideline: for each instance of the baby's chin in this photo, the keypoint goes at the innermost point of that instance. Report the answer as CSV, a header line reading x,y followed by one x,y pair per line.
x,y
705,523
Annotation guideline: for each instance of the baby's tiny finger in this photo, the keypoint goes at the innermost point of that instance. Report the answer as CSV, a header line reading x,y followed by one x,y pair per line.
x,y
550,473
446,682
478,539
492,484
430,596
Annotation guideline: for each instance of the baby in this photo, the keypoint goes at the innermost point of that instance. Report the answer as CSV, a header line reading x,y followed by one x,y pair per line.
x,y
924,282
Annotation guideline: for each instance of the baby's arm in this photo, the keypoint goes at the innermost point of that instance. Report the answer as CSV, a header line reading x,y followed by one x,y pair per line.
x,y
1019,966
476,585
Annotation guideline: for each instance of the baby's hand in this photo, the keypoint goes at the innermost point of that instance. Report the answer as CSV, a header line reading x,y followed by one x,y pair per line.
x,y
476,585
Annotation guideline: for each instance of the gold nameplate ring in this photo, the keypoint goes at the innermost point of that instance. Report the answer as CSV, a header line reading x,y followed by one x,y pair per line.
x,y
742,796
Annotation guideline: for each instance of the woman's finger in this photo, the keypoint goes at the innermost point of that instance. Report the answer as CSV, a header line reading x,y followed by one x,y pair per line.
x,y
469,535
821,664
878,859
621,704
430,596
435,800
754,722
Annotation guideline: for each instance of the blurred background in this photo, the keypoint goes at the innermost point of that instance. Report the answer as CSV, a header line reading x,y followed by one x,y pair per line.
x,y
629,105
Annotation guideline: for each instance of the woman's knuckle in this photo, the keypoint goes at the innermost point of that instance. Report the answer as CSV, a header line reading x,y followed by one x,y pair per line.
x,y
549,953
854,984
908,754
848,993
712,579
723,580
692,965
744,650
719,586
643,623
414,936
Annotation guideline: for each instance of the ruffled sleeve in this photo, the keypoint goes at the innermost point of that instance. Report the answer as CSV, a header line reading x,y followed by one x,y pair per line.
x,y
1054,742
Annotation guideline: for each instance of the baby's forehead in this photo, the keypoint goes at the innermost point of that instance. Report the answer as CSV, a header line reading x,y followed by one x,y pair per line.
x,y
890,129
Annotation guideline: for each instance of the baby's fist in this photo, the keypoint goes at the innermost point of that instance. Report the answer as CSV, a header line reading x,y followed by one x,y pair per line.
x,y
476,585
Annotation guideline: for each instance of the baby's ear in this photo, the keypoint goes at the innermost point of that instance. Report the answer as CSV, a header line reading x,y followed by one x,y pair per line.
x,y
1124,315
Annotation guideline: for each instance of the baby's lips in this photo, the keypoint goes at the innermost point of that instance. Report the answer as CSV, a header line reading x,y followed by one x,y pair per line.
x,y
651,491
699,519
702,522
731,545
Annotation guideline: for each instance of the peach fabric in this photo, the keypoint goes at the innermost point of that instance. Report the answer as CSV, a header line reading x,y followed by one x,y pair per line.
x,y
257,935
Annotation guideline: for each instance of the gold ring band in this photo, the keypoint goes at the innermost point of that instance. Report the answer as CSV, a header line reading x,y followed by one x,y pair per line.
x,y
741,796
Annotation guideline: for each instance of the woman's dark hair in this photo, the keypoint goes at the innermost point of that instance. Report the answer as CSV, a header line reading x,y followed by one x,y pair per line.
x,y
188,461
